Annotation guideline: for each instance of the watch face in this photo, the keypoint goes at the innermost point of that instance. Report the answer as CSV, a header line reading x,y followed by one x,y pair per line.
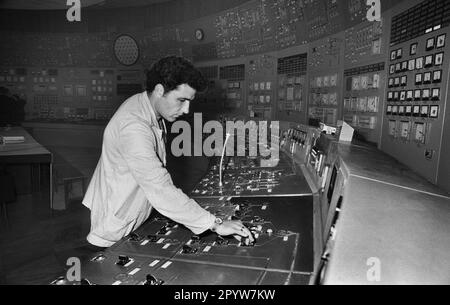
x,y
430,44
199,34
436,93
393,55
434,112
409,95
372,104
419,63
389,109
404,80
437,76
392,127
418,78
392,68
420,132
408,110
439,59
413,49
424,111
440,41
402,95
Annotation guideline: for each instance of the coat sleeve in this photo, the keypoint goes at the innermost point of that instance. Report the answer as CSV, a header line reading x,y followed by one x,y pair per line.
x,y
138,147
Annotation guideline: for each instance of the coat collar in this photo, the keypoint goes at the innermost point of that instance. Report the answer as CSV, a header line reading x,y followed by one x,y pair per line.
x,y
150,113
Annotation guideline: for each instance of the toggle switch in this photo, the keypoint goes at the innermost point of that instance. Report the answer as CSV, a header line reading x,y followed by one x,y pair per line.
x,y
220,241
195,239
135,237
123,260
99,258
162,231
257,219
246,243
152,238
188,250
170,225
150,280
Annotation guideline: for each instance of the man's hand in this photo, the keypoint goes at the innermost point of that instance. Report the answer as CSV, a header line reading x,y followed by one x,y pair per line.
x,y
230,227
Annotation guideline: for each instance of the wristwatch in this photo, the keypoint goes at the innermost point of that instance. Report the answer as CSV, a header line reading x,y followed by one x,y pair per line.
x,y
217,222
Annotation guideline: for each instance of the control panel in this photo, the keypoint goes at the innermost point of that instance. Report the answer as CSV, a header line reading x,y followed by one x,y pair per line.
x,y
15,80
365,41
325,64
243,177
44,93
71,94
232,80
161,252
310,147
363,99
261,77
324,98
292,86
417,86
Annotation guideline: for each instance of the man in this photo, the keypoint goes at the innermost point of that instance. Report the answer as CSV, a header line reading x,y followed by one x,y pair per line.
x,y
131,178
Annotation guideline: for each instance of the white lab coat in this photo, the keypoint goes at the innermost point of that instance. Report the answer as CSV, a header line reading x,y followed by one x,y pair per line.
x,y
131,178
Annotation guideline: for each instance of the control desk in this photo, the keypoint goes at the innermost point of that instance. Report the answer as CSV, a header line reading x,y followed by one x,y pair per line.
x,y
274,203
320,216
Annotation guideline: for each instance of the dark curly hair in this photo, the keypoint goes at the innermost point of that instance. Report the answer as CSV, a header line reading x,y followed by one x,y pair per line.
x,y
173,71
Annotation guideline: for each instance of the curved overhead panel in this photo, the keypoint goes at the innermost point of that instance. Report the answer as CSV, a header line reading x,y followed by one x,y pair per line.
x,y
42,4
59,5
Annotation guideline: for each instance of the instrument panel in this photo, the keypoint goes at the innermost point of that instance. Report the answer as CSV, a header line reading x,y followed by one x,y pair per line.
x,y
161,252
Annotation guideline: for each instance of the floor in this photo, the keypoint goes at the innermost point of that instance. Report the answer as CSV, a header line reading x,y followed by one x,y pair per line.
x,y
37,241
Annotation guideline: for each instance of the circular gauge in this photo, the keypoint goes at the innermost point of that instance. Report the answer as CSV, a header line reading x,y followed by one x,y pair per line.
x,y
126,50
199,34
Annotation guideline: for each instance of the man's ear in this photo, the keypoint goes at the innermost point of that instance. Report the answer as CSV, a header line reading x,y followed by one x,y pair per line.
x,y
159,90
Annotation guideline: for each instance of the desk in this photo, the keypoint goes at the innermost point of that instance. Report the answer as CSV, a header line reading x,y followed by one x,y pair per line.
x,y
30,152
393,223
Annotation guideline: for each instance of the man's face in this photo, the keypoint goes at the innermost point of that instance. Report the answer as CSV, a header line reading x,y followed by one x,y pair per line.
x,y
175,103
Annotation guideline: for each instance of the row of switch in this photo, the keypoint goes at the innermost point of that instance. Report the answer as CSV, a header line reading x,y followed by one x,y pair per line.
x,y
418,63
423,111
294,138
420,79
416,95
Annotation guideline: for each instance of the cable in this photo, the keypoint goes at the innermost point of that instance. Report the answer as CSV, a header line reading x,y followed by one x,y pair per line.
x,y
221,159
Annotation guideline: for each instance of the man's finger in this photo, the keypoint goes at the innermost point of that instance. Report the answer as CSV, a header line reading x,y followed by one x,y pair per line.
x,y
244,232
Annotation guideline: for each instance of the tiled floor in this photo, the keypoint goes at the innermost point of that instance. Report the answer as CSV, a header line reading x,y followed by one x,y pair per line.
x,y
35,247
